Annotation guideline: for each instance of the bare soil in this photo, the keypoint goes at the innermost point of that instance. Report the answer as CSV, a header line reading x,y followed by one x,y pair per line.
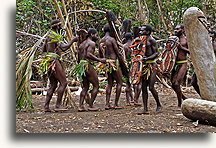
x,y
112,121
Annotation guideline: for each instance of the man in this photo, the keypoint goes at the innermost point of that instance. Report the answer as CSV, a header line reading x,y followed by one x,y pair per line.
x,y
86,55
53,47
149,47
114,72
194,78
128,52
180,68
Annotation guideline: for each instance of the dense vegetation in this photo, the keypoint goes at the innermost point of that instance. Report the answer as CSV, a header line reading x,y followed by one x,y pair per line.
x,y
33,17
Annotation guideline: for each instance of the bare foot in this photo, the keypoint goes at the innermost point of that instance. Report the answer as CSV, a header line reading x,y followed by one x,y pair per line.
x,y
47,110
59,109
128,104
137,104
81,109
93,109
109,107
143,113
159,109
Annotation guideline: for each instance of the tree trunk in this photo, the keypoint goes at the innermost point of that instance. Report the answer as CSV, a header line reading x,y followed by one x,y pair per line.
x,y
202,54
201,110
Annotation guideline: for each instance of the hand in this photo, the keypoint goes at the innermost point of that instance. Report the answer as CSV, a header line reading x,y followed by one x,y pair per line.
x,y
103,60
144,59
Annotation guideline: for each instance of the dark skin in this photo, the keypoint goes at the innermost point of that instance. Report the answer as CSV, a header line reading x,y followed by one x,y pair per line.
x,y
58,74
128,89
178,76
86,52
151,53
110,53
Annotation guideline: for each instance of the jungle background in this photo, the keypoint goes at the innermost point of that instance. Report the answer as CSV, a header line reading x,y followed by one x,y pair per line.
x,y
32,23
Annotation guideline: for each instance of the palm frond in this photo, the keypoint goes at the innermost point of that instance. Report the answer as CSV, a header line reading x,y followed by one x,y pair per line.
x,y
23,75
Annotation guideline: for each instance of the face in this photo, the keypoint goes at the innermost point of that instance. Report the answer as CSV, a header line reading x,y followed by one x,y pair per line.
x,y
143,31
94,37
178,30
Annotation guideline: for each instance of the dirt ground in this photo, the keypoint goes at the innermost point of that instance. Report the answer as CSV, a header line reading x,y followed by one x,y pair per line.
x,y
112,121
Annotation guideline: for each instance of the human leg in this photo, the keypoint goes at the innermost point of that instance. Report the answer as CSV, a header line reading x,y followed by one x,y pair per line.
x,y
152,80
53,86
108,91
93,78
117,75
83,93
177,78
61,77
144,97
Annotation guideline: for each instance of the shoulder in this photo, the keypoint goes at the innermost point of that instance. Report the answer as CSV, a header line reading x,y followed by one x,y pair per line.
x,y
91,43
152,39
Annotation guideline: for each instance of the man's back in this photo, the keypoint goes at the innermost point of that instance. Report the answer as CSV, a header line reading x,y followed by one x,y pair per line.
x,y
110,44
82,52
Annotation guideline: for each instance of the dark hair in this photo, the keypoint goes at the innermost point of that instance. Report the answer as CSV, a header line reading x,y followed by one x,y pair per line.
x,y
52,23
91,31
106,28
126,25
128,36
136,31
148,28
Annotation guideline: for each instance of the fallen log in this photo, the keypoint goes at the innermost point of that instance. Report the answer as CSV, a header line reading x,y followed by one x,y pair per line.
x,y
202,110
34,90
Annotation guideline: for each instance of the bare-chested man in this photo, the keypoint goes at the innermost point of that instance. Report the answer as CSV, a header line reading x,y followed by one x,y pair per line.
x,y
114,73
128,52
56,72
180,68
149,68
86,54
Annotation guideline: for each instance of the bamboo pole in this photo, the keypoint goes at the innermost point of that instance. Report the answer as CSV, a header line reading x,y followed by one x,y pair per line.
x,y
67,30
162,17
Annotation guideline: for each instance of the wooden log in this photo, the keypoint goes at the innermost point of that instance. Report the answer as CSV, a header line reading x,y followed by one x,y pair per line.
x,y
202,55
38,89
202,110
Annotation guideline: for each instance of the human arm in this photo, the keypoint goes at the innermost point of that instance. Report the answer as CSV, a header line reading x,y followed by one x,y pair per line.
x,y
43,48
90,53
64,47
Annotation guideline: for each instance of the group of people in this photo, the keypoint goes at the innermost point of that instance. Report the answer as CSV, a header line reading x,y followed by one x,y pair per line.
x,y
109,58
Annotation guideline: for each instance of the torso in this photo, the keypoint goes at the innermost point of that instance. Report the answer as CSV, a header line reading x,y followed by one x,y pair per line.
x,y
82,51
52,47
109,52
149,50
127,49
182,54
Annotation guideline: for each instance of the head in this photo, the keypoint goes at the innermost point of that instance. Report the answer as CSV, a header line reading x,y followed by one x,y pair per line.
x,y
128,36
93,34
212,34
56,25
145,30
106,28
136,31
126,25
179,30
